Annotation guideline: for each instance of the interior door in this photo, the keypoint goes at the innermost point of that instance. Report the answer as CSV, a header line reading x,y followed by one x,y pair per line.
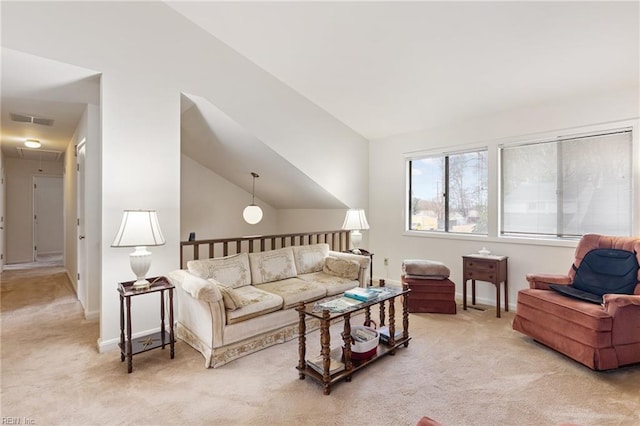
x,y
48,218
2,214
81,241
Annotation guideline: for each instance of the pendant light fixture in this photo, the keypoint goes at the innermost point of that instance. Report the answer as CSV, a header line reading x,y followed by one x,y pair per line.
x,y
252,214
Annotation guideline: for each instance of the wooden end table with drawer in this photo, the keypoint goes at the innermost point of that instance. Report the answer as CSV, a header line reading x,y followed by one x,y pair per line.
x,y
489,268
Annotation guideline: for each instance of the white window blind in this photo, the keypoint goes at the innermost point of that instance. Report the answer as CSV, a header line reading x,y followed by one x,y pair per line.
x,y
568,187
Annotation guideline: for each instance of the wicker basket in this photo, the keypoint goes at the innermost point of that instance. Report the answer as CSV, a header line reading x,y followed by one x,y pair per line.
x,y
364,349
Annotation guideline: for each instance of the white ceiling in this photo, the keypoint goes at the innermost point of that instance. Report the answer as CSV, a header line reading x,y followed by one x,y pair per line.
x,y
382,68
387,68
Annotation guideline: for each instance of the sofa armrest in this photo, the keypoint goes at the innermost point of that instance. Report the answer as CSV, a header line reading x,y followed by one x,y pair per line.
x,y
542,281
196,287
625,311
200,308
362,260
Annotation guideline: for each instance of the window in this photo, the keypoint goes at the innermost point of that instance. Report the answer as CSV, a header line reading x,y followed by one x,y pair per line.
x,y
448,193
568,187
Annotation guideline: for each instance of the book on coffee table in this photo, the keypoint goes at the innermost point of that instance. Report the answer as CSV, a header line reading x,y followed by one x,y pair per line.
x,y
385,335
362,294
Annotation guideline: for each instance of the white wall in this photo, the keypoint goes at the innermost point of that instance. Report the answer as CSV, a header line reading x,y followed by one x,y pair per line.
x,y
88,129
212,207
93,212
291,221
19,193
70,216
388,183
148,55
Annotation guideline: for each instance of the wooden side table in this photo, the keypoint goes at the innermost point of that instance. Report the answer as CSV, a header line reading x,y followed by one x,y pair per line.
x,y
488,268
129,346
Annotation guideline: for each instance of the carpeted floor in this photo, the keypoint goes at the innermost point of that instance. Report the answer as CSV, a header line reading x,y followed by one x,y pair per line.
x,y
464,369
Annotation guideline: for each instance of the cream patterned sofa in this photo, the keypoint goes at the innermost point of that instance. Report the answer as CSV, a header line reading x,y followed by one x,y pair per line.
x,y
232,306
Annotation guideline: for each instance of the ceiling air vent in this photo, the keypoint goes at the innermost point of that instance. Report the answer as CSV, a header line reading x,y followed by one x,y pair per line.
x,y
23,118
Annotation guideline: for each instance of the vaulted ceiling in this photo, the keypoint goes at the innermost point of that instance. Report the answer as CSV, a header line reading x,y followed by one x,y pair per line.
x,y
386,68
381,68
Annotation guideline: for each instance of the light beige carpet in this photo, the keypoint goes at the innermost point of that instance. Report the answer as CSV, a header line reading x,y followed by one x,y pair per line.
x,y
464,369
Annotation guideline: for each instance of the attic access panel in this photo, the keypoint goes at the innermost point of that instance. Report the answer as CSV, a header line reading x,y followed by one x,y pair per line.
x,y
39,154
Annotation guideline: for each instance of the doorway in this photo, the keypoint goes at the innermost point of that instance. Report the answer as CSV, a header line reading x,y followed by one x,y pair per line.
x,y
48,219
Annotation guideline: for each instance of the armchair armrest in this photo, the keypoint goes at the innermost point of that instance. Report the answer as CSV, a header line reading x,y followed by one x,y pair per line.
x,y
542,281
625,311
613,302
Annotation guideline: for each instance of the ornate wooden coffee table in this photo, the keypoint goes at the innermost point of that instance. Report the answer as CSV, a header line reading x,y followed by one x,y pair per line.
x,y
326,316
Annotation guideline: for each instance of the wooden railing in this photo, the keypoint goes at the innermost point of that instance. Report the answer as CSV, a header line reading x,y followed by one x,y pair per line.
x,y
337,240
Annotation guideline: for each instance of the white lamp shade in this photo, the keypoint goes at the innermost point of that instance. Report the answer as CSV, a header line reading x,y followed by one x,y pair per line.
x,y
252,214
139,228
355,220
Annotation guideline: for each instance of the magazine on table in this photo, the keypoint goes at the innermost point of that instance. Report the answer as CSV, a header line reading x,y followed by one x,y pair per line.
x,y
341,304
335,365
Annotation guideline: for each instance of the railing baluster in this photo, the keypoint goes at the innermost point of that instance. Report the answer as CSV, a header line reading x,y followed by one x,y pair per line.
x,y
337,240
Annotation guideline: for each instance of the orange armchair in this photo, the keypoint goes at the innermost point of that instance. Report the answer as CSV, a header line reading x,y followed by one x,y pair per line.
x,y
601,337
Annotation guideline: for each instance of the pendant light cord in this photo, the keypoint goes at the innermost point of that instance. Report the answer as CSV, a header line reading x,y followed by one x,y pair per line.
x,y
253,190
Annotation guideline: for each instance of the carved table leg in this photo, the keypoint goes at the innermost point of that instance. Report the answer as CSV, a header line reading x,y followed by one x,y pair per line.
x,y
392,325
325,344
405,316
346,338
382,314
302,330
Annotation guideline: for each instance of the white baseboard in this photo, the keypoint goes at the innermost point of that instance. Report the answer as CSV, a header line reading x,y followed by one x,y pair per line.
x,y
458,296
92,316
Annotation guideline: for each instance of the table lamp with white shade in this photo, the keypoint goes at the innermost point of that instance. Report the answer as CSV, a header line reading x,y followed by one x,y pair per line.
x,y
139,229
355,220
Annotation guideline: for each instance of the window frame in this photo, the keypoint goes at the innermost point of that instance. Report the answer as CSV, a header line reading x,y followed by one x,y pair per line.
x,y
424,148
442,155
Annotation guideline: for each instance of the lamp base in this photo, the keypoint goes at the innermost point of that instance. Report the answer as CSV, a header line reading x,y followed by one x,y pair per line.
x,y
141,285
356,239
140,262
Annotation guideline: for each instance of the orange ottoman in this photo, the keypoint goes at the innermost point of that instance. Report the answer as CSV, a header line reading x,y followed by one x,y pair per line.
x,y
431,289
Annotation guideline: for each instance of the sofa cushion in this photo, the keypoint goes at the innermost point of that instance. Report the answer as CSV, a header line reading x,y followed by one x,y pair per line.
x,y
332,284
232,271
231,299
294,291
550,304
258,302
310,258
272,265
341,268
